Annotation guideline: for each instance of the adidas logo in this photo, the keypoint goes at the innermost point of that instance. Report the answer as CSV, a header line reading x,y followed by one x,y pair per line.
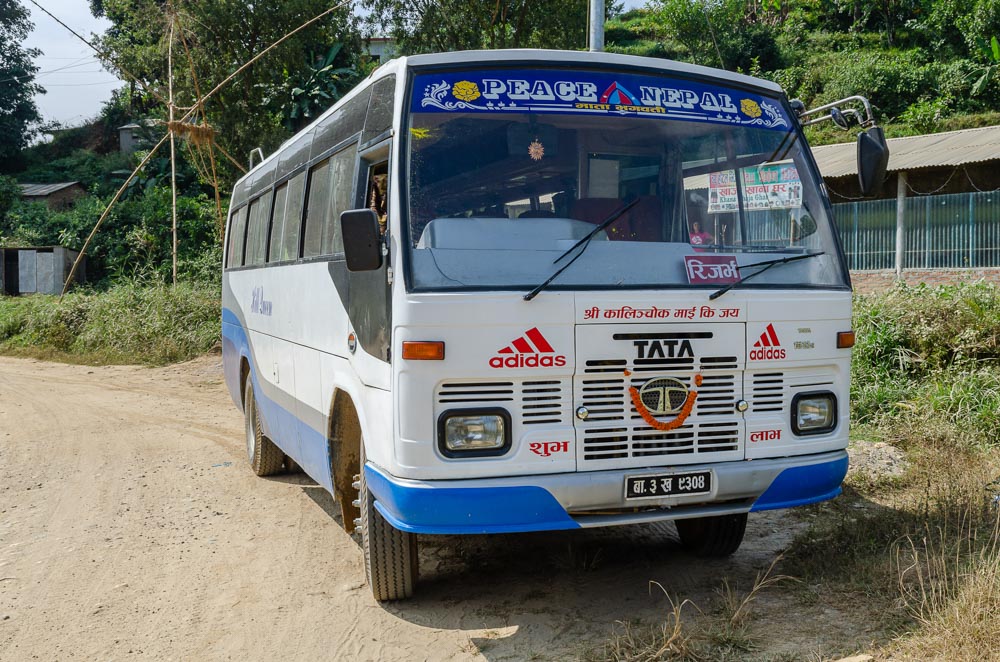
x,y
767,347
531,350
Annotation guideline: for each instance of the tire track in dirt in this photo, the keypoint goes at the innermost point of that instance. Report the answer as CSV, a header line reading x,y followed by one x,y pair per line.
x,y
130,526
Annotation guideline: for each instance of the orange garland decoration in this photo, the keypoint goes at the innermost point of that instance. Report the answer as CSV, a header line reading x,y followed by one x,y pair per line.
x,y
669,425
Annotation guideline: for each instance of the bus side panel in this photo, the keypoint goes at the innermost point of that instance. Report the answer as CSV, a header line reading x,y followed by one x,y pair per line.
x,y
234,348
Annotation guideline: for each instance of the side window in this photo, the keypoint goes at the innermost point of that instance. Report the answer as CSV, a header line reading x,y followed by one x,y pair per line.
x,y
377,195
257,230
319,196
342,168
237,238
277,222
331,186
293,218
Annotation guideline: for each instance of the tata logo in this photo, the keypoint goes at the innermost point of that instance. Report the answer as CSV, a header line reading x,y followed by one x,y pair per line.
x,y
663,395
663,349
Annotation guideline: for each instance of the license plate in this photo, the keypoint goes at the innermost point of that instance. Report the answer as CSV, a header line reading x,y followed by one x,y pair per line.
x,y
641,487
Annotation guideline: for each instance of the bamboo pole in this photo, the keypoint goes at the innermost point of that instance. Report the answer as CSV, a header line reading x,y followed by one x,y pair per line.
x,y
173,149
83,251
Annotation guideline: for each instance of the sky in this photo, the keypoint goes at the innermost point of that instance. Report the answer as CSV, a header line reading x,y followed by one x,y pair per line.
x,y
76,85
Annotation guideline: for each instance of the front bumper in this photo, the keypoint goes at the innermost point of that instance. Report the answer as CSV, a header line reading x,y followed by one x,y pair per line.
x,y
589,499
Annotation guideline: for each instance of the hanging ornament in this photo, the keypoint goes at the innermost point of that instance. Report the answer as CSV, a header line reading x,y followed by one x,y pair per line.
x,y
536,150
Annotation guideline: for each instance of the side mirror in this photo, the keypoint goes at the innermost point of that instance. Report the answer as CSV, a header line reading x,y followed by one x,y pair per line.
x,y
362,239
873,159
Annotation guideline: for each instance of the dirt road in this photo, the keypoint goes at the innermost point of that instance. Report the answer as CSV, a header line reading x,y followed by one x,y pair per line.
x,y
131,527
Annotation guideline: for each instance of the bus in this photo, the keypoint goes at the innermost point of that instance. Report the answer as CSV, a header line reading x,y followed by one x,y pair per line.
x,y
532,290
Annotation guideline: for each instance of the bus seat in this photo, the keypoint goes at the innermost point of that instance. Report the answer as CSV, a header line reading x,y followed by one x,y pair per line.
x,y
643,222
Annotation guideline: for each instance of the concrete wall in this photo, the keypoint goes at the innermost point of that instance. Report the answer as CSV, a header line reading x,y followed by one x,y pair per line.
x,y
868,282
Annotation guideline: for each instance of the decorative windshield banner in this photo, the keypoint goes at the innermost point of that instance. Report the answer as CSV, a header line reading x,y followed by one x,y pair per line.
x,y
593,93
764,187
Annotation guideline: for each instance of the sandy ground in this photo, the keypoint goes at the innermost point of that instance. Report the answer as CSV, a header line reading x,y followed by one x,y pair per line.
x,y
131,527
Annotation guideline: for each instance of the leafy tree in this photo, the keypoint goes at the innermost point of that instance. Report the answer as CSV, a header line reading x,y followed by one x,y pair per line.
x,y
424,26
731,34
18,113
220,37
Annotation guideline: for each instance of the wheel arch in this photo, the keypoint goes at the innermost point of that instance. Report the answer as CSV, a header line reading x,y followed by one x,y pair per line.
x,y
344,440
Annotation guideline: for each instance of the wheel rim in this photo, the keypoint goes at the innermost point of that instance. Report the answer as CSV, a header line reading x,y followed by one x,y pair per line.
x,y
251,433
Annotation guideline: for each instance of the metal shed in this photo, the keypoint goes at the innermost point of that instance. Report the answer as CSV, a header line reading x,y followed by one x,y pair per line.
x,y
37,269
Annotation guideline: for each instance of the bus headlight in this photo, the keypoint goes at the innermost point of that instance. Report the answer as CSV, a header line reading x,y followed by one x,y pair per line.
x,y
814,413
475,433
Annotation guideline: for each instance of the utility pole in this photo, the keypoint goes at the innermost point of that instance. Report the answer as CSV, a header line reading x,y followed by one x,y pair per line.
x,y
596,26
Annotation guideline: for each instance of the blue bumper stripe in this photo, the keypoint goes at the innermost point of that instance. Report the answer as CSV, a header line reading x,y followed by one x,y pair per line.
x,y
463,510
800,486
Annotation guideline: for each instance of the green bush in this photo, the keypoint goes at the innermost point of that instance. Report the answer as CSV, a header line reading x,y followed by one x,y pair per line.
x,y
929,354
129,323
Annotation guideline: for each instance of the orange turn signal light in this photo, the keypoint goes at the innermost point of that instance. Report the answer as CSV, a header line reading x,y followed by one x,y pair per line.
x,y
423,350
845,340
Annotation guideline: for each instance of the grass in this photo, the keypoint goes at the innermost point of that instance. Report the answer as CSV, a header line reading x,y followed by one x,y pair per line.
x,y
149,324
918,553
726,636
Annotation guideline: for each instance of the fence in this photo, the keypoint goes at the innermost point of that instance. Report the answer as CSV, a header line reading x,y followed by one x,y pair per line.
x,y
960,230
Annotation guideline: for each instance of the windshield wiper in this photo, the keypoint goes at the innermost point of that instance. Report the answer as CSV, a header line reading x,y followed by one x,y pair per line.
x,y
615,215
767,265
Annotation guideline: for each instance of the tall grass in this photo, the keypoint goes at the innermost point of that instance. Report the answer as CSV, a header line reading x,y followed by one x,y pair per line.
x,y
133,322
929,355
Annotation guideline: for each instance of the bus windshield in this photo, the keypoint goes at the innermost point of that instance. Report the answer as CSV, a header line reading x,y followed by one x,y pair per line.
x,y
506,170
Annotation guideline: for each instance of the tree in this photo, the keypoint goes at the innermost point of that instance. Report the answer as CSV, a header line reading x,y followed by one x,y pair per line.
x,y
220,37
423,26
19,116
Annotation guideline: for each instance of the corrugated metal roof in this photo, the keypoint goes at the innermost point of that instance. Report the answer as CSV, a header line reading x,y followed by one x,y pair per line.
x,y
42,190
953,148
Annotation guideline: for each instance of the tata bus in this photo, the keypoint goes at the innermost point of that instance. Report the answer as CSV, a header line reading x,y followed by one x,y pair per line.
x,y
527,290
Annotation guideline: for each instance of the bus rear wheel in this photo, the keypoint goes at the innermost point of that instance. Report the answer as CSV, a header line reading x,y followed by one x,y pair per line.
x,y
712,537
266,459
391,565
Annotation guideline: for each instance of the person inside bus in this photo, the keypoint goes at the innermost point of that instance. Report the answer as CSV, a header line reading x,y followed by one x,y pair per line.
x,y
377,195
697,237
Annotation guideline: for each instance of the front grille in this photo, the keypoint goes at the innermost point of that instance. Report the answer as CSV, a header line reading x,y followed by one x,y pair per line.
x,y
767,392
615,435
615,430
540,401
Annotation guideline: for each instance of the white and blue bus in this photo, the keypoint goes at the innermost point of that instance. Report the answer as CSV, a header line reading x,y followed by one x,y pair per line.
x,y
527,290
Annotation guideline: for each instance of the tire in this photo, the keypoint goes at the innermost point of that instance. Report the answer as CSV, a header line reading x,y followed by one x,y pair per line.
x,y
712,537
391,564
265,458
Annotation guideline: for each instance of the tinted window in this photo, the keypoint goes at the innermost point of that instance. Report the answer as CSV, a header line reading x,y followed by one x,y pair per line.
x,y
237,237
293,218
257,230
277,222
379,118
331,192
345,122
319,198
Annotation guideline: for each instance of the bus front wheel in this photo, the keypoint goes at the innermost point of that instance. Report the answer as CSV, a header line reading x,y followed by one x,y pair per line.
x,y
265,458
390,554
712,537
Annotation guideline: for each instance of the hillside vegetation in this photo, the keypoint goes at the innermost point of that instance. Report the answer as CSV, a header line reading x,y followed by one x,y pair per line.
x,y
926,65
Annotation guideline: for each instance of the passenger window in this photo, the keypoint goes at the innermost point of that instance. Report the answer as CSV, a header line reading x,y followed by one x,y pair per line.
x,y
319,196
257,230
237,238
277,222
331,190
293,218
342,169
